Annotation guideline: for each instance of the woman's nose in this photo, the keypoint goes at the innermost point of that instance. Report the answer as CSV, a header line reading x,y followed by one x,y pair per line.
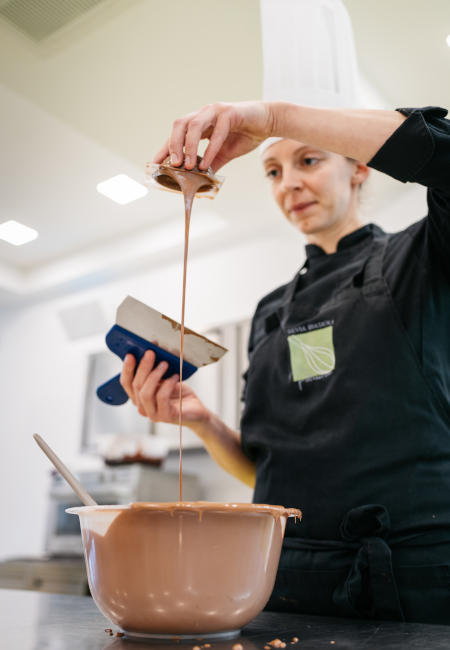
x,y
292,180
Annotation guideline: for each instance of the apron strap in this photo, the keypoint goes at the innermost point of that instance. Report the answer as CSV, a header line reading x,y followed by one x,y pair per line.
x,y
373,269
370,587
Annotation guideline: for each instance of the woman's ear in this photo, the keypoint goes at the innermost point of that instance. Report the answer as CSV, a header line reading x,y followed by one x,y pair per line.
x,y
360,173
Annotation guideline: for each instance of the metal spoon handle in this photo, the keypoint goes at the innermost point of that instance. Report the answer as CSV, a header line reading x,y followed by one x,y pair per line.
x,y
76,486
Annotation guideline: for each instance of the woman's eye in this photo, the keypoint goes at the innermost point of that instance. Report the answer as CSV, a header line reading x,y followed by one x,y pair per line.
x,y
309,161
272,173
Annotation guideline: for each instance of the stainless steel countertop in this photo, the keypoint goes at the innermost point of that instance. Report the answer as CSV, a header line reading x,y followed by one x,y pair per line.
x,y
38,621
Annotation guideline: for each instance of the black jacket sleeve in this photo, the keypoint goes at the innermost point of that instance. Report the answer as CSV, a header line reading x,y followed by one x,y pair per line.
x,y
419,152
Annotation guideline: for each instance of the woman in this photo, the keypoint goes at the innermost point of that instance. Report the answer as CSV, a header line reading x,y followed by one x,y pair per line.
x,y
347,410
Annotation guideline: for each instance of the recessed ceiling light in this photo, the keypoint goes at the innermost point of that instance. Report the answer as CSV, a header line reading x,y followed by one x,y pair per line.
x,y
122,189
448,40
16,233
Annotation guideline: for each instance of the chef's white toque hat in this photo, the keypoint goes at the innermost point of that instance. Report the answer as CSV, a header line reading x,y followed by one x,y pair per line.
x,y
309,54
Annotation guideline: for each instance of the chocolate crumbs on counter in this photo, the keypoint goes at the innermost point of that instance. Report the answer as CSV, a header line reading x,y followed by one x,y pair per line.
x,y
120,634
108,631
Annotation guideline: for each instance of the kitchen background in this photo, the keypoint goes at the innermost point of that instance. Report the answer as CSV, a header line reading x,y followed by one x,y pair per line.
x,y
89,90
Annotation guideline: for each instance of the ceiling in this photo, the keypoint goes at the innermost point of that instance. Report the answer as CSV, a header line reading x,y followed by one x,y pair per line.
x,y
97,96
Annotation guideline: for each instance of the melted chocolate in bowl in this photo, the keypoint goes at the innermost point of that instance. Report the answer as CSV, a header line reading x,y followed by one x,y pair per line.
x,y
191,568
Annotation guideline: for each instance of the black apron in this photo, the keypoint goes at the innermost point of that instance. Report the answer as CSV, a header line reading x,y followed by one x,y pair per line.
x,y
362,446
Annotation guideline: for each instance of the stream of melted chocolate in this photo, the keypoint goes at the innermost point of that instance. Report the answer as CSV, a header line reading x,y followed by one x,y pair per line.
x,y
190,182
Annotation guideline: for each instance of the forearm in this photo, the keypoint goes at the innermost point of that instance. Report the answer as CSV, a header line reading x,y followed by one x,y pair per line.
x,y
224,446
355,133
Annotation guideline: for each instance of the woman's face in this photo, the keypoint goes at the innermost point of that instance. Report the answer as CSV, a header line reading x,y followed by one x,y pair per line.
x,y
315,189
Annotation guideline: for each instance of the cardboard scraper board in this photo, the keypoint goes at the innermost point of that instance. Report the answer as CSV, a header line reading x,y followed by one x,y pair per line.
x,y
139,328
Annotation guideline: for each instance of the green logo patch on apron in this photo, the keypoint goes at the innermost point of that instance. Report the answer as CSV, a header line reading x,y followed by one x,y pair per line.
x,y
312,353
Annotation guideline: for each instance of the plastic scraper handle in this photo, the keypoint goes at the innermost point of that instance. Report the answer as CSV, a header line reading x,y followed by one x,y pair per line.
x,y
123,342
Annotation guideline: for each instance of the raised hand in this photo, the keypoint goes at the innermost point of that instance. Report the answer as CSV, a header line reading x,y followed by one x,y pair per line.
x,y
232,129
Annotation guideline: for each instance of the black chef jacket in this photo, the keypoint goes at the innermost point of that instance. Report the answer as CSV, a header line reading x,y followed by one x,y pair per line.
x,y
407,274
417,258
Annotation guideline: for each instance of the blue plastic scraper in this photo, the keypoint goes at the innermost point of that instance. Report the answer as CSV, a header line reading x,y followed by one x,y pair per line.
x,y
139,328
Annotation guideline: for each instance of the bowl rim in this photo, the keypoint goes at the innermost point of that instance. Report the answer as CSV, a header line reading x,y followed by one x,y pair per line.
x,y
193,506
